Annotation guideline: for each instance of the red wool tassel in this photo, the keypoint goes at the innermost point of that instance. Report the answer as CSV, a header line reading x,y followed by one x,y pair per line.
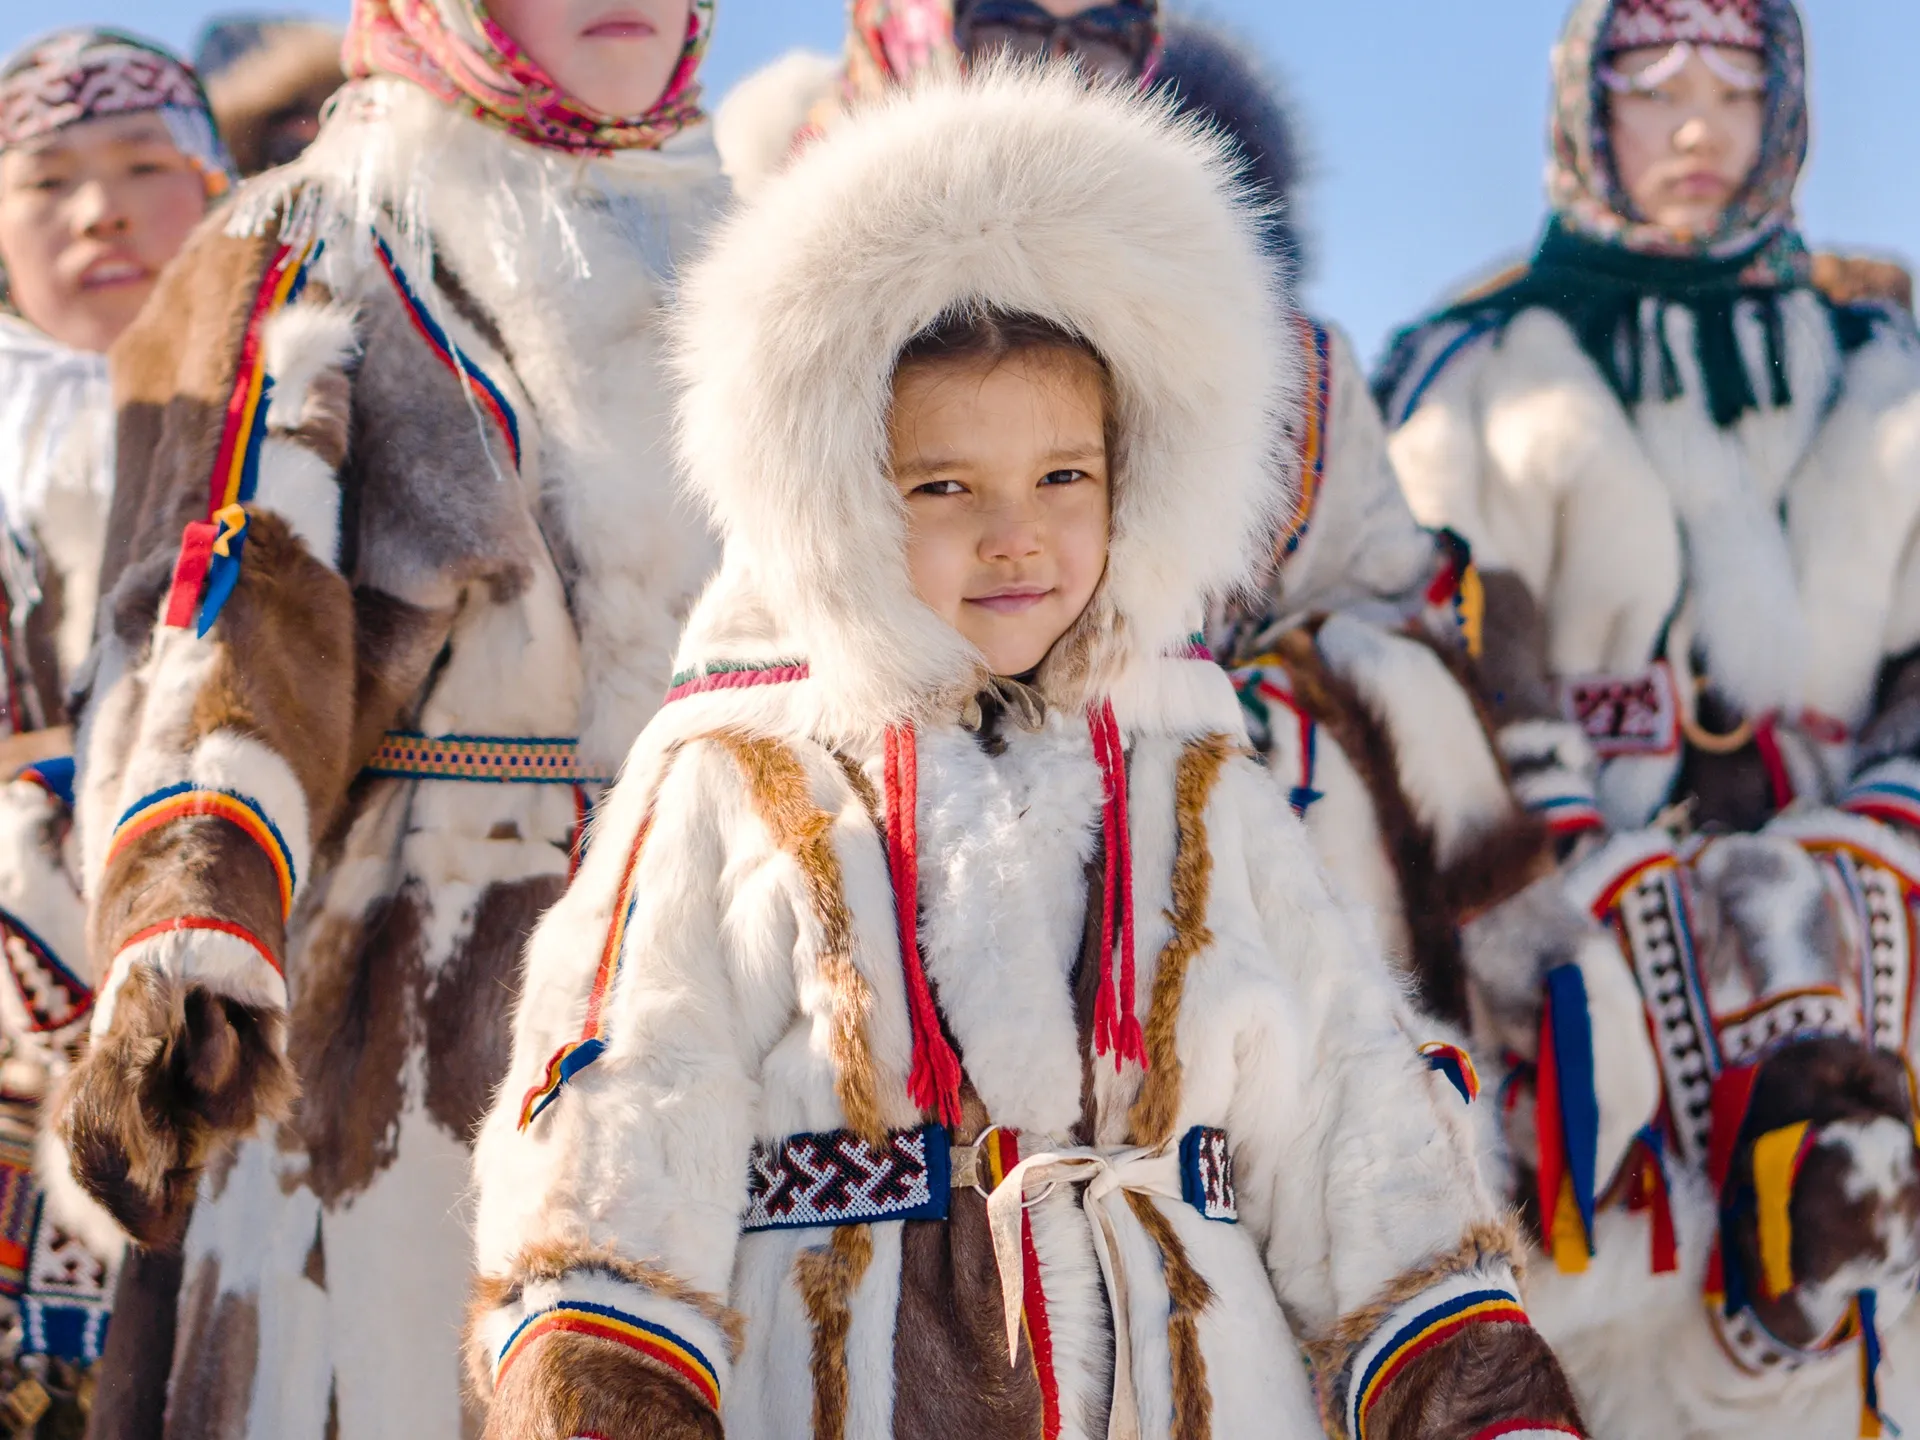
x,y
934,1084
1116,1022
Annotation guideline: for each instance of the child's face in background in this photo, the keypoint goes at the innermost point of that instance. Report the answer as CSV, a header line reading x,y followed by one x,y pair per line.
x,y
89,216
1004,468
615,56
1684,148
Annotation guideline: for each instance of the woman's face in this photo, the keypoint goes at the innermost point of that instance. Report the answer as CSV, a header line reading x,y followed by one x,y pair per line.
x,y
89,216
614,56
1685,147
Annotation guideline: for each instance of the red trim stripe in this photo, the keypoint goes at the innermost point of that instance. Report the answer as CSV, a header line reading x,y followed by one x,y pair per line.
x,y
204,922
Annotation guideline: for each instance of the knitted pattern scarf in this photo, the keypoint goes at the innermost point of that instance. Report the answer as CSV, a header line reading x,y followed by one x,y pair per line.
x,y
457,53
1598,263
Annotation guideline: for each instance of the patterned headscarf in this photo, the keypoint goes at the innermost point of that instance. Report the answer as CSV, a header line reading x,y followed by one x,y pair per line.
x,y
893,41
455,51
89,74
1581,184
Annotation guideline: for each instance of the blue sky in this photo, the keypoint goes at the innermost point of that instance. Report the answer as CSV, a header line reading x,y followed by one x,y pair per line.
x,y
1425,123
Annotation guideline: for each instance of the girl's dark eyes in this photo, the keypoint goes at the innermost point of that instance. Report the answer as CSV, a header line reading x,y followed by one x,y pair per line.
x,y
1062,477
940,487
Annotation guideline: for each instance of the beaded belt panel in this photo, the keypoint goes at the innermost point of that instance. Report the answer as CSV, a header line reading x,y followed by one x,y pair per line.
x,y
837,1178
403,754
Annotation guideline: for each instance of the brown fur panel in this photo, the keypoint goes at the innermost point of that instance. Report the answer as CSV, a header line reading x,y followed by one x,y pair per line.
x,y
1478,1377
1158,1103
1512,675
468,1012
351,1032
556,1261
1438,968
180,1071
211,1389
1502,862
1188,1294
1862,279
1333,1353
130,1395
783,797
198,866
1836,1221
285,675
568,1385
827,1278
396,646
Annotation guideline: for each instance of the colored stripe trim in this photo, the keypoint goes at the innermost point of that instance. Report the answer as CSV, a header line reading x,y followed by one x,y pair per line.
x,y
1526,1430
1777,1158
204,922
726,675
408,754
1456,1065
603,1322
476,381
570,1059
1317,347
53,775
186,801
1425,1332
1440,362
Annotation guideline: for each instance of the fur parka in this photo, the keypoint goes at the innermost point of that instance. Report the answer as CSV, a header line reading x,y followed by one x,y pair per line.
x,y
729,983
462,544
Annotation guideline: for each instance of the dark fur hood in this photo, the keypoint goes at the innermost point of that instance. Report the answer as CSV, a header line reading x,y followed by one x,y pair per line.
x,y
1221,77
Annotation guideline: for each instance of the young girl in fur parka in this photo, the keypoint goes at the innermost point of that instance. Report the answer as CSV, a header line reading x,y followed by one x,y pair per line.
x,y
1692,481
944,975
1372,735
393,574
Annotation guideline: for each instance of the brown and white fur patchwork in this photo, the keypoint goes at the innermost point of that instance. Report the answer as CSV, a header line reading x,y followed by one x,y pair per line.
x,y
398,565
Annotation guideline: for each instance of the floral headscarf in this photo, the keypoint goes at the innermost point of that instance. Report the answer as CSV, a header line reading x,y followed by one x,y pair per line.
x,y
88,74
890,42
455,51
1585,192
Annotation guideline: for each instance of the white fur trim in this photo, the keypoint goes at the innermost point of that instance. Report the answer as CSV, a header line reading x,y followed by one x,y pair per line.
x,y
756,125
221,962
1441,750
299,487
68,1204
228,760
298,345
964,193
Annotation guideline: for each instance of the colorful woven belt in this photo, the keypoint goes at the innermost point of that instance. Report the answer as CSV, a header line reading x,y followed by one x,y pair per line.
x,y
407,755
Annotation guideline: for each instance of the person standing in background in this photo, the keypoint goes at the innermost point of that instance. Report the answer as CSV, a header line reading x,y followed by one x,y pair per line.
x,y
268,78
108,159
393,576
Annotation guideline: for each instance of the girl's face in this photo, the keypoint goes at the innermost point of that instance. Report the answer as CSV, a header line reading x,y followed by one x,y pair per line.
x,y
89,216
1683,148
614,56
1004,468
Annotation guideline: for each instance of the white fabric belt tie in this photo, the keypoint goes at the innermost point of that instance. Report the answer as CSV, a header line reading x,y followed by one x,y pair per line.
x,y
1108,1174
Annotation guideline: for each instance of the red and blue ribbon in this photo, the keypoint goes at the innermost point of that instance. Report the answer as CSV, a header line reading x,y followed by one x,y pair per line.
x,y
1567,1120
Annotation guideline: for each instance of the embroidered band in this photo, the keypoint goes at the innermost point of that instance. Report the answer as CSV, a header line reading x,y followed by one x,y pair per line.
x,y
1428,1320
1625,714
188,800
603,1322
1888,792
19,1197
1206,1174
1801,1014
407,754
210,549
1456,1065
733,675
836,1178
475,381
54,996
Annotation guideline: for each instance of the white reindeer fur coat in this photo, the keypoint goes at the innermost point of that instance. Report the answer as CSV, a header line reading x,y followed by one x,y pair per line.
x,y
759,990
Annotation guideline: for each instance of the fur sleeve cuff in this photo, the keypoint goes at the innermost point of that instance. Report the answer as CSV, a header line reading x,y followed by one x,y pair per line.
x,y
1888,791
673,1327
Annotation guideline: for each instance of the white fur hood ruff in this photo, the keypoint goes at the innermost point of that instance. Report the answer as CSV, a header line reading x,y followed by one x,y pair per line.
x,y
1021,191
